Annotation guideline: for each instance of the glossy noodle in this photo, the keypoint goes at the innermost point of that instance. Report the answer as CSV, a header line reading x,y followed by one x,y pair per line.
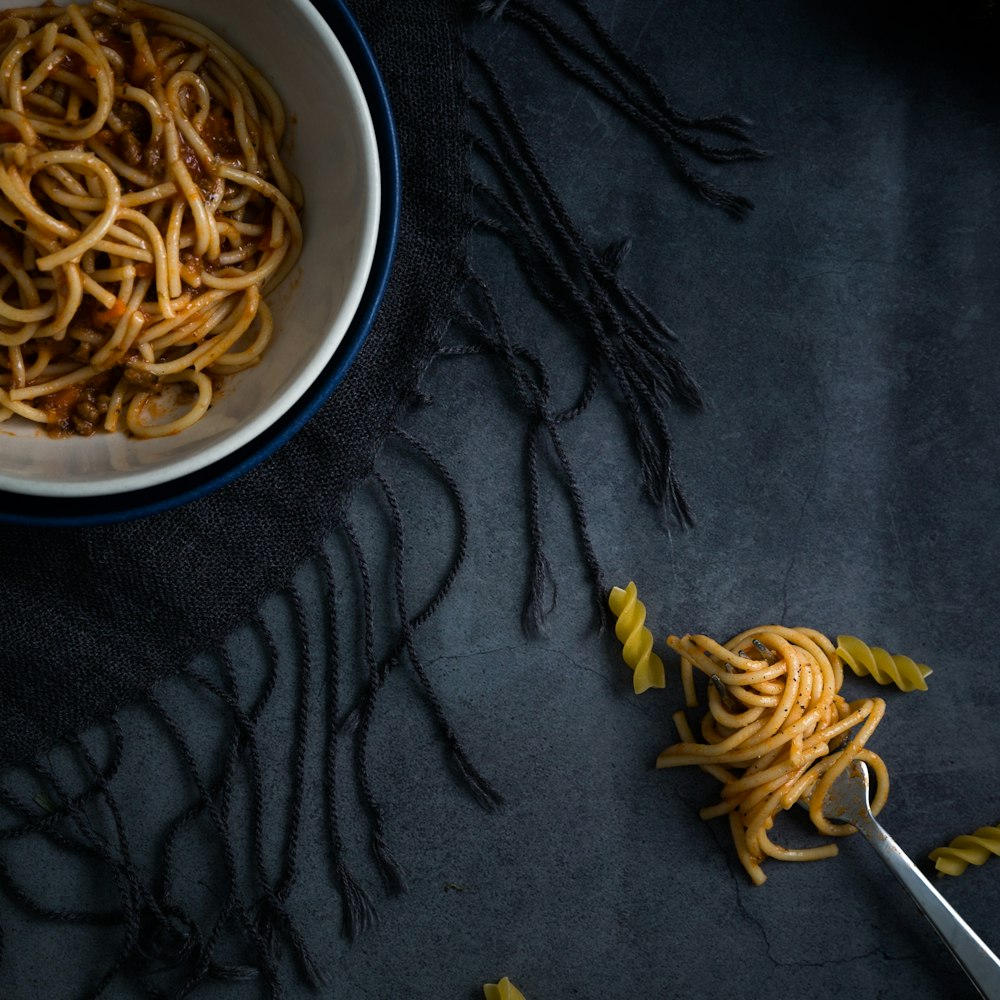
x,y
776,732
146,209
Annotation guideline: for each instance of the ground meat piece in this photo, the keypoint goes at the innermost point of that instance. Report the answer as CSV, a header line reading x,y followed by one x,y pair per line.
x,y
131,148
84,428
89,411
139,378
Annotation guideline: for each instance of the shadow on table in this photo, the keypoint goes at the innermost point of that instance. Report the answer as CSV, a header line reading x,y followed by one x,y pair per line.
x,y
959,36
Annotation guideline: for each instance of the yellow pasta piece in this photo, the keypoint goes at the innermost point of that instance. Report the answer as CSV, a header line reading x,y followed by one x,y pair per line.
x,y
885,667
504,990
969,849
636,639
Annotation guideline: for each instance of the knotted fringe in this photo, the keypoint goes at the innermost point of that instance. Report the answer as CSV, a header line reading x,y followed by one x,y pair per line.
x,y
483,791
622,336
626,85
358,721
580,289
357,910
533,390
166,943
157,934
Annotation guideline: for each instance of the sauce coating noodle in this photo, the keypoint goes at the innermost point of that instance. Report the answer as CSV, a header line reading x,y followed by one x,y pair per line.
x,y
777,732
145,208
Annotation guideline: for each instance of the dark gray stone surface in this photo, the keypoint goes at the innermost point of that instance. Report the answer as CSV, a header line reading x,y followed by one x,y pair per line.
x,y
844,476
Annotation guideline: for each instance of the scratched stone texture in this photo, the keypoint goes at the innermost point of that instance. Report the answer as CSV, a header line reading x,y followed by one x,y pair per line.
x,y
843,475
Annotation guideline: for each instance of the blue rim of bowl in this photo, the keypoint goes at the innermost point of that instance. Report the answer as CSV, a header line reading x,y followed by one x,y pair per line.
x,y
34,511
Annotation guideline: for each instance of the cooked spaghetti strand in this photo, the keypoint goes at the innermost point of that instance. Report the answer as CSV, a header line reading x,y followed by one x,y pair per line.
x,y
146,210
777,732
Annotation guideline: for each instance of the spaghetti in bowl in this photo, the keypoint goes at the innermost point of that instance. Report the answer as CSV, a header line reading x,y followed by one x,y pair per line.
x,y
139,393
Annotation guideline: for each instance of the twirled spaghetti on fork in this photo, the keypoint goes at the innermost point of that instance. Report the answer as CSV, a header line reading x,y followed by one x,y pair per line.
x,y
777,731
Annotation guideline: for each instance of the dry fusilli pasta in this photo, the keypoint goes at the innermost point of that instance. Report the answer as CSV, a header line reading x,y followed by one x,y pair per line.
x,y
886,668
968,849
636,639
504,990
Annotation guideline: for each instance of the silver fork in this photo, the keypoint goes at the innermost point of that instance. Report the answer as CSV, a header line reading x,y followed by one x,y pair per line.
x,y
847,801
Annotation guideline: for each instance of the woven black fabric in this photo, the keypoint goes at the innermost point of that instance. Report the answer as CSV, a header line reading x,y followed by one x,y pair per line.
x,y
93,617
124,606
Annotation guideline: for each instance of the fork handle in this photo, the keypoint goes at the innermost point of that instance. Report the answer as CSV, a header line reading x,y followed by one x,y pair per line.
x,y
979,963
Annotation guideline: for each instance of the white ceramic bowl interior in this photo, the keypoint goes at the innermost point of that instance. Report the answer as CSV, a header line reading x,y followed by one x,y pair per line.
x,y
332,149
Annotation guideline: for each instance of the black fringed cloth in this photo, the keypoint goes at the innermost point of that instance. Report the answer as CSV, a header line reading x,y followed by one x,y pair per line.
x,y
141,601
206,566
211,719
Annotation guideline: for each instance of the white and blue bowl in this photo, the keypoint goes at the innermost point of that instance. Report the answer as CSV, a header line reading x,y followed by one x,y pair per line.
x,y
343,150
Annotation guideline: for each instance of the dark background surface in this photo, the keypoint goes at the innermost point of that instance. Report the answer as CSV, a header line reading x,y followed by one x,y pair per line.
x,y
843,476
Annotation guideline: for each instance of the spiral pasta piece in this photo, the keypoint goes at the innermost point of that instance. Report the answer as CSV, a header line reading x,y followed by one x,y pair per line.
x,y
968,849
777,732
503,990
636,639
884,667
